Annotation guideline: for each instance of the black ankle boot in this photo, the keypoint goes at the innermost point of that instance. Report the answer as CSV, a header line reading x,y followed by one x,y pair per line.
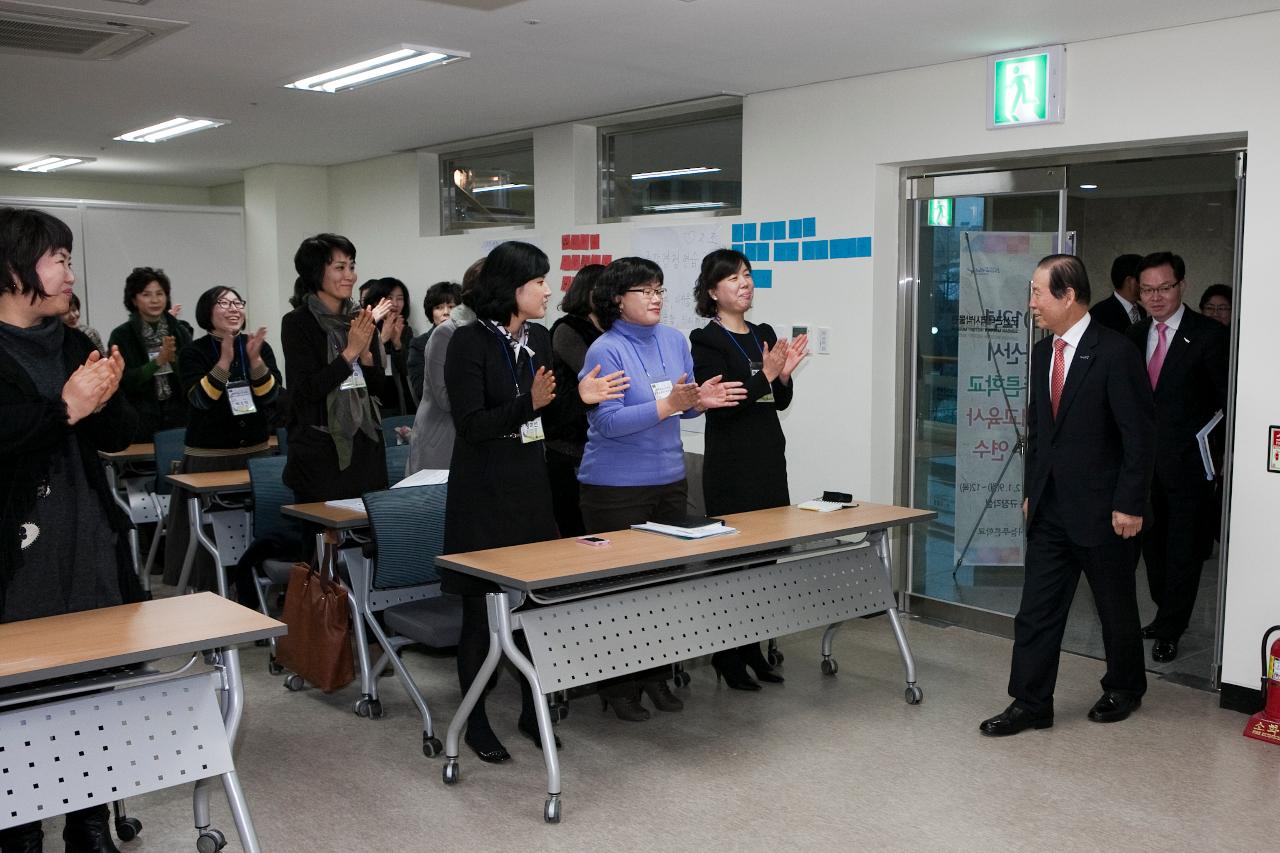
x,y
734,672
754,658
89,831
27,838
660,695
625,699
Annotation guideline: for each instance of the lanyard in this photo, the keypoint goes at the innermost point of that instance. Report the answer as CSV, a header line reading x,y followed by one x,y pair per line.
x,y
244,355
734,338
506,340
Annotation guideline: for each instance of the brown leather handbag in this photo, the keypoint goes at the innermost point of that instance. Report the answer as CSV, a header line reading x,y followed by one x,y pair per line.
x,y
318,645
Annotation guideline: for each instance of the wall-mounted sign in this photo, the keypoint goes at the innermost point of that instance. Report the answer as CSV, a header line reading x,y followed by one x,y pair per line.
x,y
1273,449
1026,87
941,212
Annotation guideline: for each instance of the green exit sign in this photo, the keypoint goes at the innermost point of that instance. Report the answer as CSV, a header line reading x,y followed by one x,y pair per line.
x,y
1025,87
941,212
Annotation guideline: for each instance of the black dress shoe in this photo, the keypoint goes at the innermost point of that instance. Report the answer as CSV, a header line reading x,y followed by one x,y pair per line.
x,y
1015,719
1114,707
1164,651
529,728
1149,631
87,831
487,747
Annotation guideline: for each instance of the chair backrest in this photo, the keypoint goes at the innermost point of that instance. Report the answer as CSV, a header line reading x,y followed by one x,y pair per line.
x,y
408,534
169,446
389,435
397,461
269,494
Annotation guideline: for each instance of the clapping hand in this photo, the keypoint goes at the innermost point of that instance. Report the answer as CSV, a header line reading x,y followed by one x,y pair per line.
x,y
796,353
87,389
392,328
775,359
595,388
168,349
360,334
384,307
715,394
253,347
683,396
544,388
227,352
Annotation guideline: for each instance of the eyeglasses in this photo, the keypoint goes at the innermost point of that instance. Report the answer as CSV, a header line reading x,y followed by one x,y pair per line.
x,y
1162,290
1216,309
649,292
229,304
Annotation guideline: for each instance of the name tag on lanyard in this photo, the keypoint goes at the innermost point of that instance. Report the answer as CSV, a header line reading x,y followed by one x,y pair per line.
x,y
240,396
355,380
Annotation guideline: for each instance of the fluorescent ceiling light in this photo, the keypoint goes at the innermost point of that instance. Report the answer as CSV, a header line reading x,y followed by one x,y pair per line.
x,y
675,173
51,163
687,205
177,126
402,60
1088,186
495,187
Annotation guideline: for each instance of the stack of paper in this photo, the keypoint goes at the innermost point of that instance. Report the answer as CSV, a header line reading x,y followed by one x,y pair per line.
x,y
823,506
353,504
425,477
717,528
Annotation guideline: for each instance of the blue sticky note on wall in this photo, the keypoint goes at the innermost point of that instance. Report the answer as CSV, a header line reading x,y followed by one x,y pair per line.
x,y
795,229
814,250
737,232
780,230
762,278
766,230
843,248
862,249
786,251
737,247
748,231
809,226
762,251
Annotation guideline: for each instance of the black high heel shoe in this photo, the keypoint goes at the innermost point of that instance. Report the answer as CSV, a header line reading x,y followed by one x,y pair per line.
x,y
529,728
625,701
486,746
754,658
734,672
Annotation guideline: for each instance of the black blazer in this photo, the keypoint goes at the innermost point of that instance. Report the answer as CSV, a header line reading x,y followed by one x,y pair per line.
x,y
1099,450
1193,385
1110,313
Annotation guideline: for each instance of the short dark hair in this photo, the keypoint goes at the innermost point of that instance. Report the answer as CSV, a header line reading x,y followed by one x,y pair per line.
x,y
441,293
376,289
138,281
716,267
577,299
470,277
1125,266
509,266
75,302
1216,290
204,305
312,257
617,278
1067,271
26,235
1159,259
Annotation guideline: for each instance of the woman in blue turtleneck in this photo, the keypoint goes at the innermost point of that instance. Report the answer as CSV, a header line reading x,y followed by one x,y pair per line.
x,y
633,467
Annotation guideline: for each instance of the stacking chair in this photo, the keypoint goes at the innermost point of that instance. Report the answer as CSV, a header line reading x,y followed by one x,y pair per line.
x,y
398,591
278,541
169,444
397,461
389,435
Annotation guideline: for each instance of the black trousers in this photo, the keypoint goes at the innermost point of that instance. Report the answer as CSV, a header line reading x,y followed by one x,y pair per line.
x,y
562,471
1053,567
1174,549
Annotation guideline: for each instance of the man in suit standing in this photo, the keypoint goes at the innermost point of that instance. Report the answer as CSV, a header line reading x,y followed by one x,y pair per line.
x,y
1088,469
1186,355
1121,310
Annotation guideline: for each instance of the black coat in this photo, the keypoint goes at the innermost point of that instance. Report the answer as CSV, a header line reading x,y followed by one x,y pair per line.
x,y
499,493
1193,385
211,424
312,470
1100,449
32,429
1110,313
745,464
138,383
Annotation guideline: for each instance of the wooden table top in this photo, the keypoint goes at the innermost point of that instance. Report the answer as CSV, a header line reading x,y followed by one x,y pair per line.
x,y
212,481
560,561
145,451
329,517
58,646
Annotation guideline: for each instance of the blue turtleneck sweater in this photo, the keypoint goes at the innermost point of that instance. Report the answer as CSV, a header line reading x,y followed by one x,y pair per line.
x,y
627,443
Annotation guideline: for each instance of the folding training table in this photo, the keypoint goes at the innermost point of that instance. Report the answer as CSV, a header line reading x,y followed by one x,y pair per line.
x,y
647,600
82,723
207,504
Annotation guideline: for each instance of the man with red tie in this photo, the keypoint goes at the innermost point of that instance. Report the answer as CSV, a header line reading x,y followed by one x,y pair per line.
x,y
1186,355
1090,427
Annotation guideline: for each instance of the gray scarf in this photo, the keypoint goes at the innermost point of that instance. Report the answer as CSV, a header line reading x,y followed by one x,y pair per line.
x,y
346,411
153,339
38,350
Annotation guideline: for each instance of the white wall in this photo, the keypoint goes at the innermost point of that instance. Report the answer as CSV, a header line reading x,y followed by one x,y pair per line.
x,y
67,185
851,136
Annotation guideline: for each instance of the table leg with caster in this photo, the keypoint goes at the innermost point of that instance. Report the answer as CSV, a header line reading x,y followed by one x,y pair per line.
x,y
499,615
913,694
454,735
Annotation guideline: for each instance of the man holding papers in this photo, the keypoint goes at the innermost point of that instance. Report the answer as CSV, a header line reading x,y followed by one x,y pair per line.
x,y
1186,357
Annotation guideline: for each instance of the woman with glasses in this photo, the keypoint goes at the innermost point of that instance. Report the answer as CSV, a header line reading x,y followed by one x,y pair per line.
x,y
632,468
231,380
745,464
1215,303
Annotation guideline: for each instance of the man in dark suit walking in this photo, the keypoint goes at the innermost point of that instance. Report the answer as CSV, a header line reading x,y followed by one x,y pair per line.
x,y
1186,355
1088,469
1121,309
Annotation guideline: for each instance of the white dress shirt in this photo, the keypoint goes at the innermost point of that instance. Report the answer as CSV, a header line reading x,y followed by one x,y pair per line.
x,y
1072,336
1153,335
1125,304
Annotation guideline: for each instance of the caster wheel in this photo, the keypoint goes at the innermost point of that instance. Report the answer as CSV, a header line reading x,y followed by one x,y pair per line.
x,y
450,773
775,657
294,683
274,668
127,828
431,746
366,707
211,841
914,695
551,810
682,679
829,666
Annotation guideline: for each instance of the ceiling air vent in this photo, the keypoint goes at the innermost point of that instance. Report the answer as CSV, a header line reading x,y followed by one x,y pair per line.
x,y
33,30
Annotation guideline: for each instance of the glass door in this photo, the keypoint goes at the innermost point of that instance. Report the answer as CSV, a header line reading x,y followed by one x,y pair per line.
x,y
977,239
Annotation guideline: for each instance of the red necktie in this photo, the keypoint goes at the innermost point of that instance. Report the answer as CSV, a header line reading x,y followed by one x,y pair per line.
x,y
1158,355
1058,376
